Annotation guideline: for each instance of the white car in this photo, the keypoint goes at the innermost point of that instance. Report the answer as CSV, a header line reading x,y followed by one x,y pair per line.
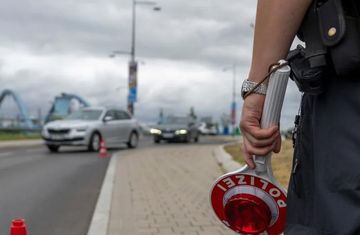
x,y
206,129
88,126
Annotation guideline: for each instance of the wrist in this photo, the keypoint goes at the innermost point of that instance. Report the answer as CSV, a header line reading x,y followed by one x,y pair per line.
x,y
254,104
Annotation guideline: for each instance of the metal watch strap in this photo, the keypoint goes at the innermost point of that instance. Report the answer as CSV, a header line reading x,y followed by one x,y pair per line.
x,y
249,85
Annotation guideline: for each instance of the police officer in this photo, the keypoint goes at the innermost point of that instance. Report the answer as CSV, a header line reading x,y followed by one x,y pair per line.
x,y
324,189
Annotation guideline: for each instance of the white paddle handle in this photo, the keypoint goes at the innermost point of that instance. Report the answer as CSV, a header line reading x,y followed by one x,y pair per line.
x,y
272,108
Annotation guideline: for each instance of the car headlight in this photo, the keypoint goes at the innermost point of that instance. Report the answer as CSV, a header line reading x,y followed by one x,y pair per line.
x,y
155,131
181,132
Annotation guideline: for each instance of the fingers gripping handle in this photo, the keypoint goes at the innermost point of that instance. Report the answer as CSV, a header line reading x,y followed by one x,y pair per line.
x,y
272,108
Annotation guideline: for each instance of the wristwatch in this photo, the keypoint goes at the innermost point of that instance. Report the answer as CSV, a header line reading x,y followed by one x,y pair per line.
x,y
248,85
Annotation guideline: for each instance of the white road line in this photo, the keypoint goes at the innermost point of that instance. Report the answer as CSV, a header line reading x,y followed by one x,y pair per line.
x,y
101,216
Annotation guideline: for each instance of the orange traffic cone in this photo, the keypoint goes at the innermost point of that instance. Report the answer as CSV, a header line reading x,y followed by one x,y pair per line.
x,y
103,153
18,227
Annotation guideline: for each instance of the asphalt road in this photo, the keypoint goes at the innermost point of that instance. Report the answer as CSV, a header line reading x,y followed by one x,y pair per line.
x,y
55,193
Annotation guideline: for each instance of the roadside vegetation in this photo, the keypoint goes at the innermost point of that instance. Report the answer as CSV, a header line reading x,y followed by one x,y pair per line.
x,y
281,162
7,136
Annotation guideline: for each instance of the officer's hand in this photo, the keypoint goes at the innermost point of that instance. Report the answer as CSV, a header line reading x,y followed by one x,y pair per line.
x,y
257,141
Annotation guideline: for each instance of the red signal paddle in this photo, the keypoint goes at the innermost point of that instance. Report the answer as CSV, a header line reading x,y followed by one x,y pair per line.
x,y
252,201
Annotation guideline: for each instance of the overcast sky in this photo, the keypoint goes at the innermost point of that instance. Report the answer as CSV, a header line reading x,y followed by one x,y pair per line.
x,y
48,47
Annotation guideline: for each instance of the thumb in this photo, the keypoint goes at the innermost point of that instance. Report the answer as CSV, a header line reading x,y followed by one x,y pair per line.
x,y
277,144
247,156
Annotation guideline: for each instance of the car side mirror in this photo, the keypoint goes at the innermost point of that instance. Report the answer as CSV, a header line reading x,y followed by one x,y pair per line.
x,y
108,118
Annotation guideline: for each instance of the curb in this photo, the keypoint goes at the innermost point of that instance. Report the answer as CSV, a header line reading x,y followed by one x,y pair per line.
x,y
20,143
100,220
225,160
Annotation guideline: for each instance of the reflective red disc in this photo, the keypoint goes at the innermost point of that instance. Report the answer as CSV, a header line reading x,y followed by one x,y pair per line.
x,y
247,214
249,204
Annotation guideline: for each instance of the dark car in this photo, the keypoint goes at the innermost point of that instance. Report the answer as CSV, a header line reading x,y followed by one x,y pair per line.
x,y
182,129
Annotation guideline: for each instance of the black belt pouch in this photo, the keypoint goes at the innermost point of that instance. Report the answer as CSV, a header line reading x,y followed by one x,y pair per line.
x,y
340,32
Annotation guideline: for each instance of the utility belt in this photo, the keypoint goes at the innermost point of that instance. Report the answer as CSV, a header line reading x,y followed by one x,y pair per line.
x,y
331,32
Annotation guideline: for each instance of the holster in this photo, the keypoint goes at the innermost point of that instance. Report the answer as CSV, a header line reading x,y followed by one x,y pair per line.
x,y
309,64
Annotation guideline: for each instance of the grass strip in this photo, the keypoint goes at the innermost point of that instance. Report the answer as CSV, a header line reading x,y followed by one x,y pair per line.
x,y
8,136
281,162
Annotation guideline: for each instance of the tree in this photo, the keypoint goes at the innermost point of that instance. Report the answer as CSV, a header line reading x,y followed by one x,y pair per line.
x,y
192,113
161,116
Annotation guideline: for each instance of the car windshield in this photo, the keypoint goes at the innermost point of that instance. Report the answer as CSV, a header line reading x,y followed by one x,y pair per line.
x,y
177,120
88,115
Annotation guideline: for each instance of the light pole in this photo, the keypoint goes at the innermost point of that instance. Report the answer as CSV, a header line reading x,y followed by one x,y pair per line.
x,y
233,102
133,64
133,32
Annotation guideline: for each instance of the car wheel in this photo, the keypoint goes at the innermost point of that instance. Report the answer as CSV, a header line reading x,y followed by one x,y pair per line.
x,y
133,140
53,148
156,140
94,144
197,138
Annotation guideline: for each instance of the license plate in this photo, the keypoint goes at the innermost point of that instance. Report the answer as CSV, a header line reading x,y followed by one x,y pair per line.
x,y
168,135
57,137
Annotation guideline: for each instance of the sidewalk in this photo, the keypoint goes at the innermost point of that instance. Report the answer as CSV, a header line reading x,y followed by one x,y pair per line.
x,y
165,191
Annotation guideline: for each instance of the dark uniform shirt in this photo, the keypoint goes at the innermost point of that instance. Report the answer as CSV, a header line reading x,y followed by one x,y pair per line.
x,y
324,189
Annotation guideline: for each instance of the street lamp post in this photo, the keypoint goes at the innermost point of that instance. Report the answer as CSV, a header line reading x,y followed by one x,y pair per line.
x,y
133,65
133,33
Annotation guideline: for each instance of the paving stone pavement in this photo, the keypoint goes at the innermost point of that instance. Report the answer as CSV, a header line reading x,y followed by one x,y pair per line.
x,y
165,191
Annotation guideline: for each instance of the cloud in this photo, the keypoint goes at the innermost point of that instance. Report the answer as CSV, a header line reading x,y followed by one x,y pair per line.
x,y
48,47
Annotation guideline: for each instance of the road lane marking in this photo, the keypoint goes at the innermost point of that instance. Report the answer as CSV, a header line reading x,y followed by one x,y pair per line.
x,y
100,220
